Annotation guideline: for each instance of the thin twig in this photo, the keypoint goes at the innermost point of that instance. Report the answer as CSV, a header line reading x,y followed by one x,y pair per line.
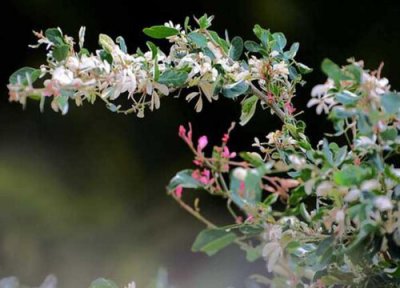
x,y
278,111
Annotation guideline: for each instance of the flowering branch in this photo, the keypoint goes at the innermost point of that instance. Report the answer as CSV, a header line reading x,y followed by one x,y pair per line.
x,y
323,216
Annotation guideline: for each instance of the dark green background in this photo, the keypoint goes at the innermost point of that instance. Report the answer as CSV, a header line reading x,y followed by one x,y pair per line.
x,y
83,195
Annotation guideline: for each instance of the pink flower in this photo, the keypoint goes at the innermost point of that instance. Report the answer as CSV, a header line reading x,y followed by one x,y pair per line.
x,y
227,154
178,191
225,138
289,108
239,220
182,131
202,143
203,177
50,89
250,218
198,162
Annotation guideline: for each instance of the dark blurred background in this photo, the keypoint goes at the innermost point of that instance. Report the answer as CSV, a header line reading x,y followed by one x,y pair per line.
x,y
82,195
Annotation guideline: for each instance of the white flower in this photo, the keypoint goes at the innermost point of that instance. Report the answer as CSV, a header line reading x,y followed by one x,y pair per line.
x,y
125,82
321,98
88,63
274,53
322,89
339,217
324,188
374,86
215,50
63,76
370,185
324,103
281,68
383,203
170,24
273,137
363,141
242,76
297,162
272,252
352,195
72,63
240,173
272,232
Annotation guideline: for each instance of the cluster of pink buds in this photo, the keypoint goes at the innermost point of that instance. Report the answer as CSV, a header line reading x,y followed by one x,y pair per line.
x,y
186,136
218,163
203,176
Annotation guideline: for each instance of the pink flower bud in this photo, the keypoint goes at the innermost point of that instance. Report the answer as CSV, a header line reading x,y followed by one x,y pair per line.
x,y
227,154
182,131
289,108
202,143
178,191
225,138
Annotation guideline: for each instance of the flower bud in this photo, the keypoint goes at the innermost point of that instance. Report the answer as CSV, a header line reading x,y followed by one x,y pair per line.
x,y
240,173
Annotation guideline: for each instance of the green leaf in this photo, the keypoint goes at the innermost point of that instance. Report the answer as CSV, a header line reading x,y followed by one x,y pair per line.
x,y
103,283
250,193
280,41
105,56
186,24
60,52
199,39
210,241
252,46
351,175
333,71
221,42
236,48
184,178
235,89
391,102
205,21
249,106
253,158
106,43
122,45
327,152
271,199
304,69
262,34
153,48
84,51
251,229
389,134
23,74
160,31
363,124
293,51
347,98
62,100
304,213
173,78
253,253
55,36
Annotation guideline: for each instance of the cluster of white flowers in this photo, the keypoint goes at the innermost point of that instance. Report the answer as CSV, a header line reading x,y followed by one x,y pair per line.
x,y
370,85
322,98
272,251
111,71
